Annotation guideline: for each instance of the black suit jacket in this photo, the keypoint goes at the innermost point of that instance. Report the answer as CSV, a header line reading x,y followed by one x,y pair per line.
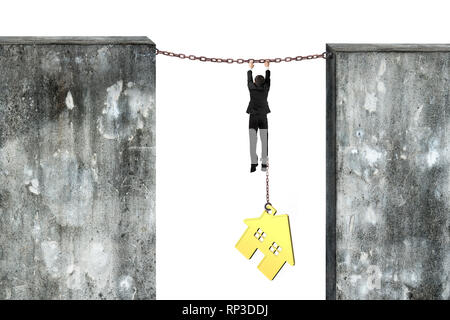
x,y
258,95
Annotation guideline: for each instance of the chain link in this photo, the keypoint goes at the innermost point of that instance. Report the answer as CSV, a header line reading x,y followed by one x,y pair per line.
x,y
324,55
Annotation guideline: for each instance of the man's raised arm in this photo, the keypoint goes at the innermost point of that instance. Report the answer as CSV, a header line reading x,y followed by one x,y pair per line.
x,y
250,74
267,80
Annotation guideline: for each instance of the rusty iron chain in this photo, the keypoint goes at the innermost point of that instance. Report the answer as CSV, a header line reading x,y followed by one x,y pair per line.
x,y
267,185
323,55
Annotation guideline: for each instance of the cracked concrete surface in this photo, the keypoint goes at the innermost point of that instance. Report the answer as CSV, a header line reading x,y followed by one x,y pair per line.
x,y
392,172
77,168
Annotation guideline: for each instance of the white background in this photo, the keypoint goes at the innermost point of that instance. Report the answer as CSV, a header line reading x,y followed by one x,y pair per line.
x,y
204,188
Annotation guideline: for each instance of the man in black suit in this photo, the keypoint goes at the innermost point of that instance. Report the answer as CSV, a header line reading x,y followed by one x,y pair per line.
x,y
258,108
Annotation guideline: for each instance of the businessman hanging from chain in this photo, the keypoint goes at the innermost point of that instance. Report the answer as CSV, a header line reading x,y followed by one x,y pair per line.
x,y
258,108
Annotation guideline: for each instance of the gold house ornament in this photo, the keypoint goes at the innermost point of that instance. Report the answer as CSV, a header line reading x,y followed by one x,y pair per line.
x,y
272,236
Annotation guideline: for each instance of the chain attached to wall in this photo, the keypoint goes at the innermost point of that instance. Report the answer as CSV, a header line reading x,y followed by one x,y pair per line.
x,y
324,55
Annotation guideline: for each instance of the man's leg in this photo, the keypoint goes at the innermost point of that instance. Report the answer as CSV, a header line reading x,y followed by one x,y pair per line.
x,y
253,140
264,134
252,133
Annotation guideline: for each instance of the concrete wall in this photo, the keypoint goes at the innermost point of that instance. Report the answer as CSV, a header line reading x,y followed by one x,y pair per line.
x,y
388,167
77,168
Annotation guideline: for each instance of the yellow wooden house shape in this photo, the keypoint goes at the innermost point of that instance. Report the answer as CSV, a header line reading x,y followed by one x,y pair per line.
x,y
272,236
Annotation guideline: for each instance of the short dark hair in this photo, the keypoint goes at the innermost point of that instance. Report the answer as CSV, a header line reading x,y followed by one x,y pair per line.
x,y
259,80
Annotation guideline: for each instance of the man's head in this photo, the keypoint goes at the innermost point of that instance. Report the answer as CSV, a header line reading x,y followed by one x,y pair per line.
x,y
259,80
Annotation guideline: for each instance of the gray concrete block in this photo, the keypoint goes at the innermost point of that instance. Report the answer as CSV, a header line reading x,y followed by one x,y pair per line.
x,y
77,168
388,167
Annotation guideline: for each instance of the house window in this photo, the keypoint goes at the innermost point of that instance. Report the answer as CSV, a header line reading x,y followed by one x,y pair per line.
x,y
275,248
260,235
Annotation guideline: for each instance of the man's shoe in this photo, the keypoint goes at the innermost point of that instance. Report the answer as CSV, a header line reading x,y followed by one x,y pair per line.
x,y
263,167
253,167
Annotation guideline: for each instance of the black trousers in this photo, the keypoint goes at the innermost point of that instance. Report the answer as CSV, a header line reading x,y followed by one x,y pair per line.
x,y
258,121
